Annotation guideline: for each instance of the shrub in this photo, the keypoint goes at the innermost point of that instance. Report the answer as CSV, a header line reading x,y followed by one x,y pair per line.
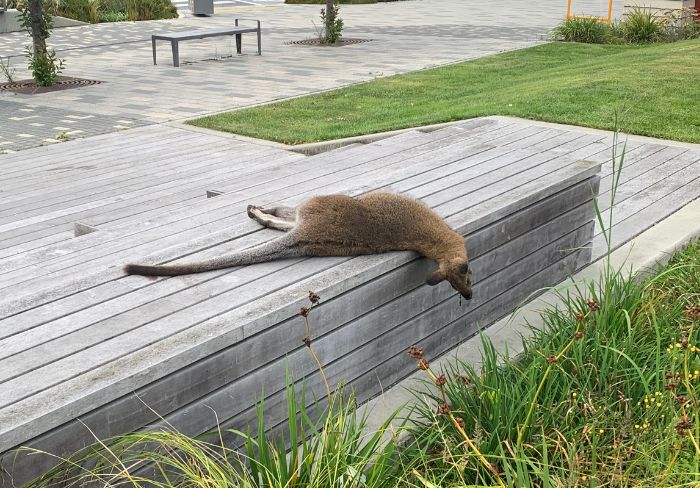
x,y
582,30
113,16
150,9
94,11
641,26
82,10
334,451
333,25
680,24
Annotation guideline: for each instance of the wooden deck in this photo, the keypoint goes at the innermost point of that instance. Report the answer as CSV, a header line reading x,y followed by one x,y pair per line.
x,y
77,336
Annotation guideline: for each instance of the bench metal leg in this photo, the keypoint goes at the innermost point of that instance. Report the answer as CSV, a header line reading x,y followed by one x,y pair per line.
x,y
259,44
238,43
176,53
153,44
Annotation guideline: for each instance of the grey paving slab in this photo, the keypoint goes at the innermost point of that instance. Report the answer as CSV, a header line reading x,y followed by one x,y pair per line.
x,y
24,124
405,36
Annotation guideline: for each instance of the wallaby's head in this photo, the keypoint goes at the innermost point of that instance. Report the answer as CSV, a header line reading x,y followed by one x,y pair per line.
x,y
457,272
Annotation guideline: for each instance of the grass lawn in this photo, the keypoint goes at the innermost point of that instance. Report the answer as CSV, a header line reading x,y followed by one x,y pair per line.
x,y
654,89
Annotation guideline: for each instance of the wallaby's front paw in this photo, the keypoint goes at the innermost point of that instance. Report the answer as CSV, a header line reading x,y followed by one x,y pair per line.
x,y
250,211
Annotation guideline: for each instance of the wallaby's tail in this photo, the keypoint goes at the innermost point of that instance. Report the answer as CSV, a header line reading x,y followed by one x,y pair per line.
x,y
280,248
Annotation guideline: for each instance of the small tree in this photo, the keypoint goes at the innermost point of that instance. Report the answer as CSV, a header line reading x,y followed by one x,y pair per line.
x,y
37,20
332,23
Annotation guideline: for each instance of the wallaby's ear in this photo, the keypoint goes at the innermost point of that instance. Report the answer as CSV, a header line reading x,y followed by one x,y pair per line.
x,y
435,278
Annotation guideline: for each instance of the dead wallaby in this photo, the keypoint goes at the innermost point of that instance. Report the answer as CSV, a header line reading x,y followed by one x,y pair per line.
x,y
339,225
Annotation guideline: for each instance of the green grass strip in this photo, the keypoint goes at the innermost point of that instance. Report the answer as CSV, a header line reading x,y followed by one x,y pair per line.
x,y
653,88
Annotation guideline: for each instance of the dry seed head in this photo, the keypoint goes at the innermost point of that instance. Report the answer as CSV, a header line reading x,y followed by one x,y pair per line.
x,y
465,379
443,409
415,352
551,359
313,297
693,312
441,380
304,312
423,365
592,304
683,425
578,335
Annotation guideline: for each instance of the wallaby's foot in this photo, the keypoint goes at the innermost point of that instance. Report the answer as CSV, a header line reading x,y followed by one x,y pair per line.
x,y
251,211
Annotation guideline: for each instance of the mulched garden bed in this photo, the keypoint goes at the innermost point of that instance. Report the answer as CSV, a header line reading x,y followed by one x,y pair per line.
x,y
28,87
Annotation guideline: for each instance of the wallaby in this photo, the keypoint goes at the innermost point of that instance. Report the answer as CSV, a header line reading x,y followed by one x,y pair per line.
x,y
339,225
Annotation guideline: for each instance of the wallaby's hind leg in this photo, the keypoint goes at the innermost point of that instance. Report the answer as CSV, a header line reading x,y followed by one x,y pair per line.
x,y
286,213
271,221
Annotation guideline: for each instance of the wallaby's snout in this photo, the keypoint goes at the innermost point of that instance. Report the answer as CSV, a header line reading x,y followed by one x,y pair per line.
x,y
457,273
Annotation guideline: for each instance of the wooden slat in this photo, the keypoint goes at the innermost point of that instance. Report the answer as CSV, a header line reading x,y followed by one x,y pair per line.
x,y
443,289
68,263
359,267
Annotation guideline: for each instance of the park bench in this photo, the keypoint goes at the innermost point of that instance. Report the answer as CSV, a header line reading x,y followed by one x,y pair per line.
x,y
83,345
176,37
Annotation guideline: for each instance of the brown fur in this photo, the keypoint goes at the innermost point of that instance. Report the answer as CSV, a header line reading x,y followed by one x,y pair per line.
x,y
338,225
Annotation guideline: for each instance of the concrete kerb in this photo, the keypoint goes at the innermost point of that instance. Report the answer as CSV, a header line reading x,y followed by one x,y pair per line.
x,y
229,135
641,256
314,147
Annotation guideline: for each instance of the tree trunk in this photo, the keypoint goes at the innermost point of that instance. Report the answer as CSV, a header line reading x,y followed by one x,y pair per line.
x,y
35,15
330,16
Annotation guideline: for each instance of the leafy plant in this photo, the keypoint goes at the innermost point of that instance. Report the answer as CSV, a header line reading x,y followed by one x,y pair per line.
x,y
332,23
45,66
114,17
150,10
75,9
334,452
95,11
582,30
35,17
7,70
641,26
680,24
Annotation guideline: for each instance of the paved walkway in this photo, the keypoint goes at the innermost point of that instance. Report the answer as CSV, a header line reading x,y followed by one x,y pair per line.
x,y
405,36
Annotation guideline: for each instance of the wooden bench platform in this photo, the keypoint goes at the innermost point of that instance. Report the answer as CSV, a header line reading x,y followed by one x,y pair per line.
x,y
176,37
79,340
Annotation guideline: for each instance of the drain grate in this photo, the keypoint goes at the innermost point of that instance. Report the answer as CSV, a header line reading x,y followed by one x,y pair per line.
x,y
28,87
344,41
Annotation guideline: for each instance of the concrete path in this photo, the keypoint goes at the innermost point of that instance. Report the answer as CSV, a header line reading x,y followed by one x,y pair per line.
x,y
406,36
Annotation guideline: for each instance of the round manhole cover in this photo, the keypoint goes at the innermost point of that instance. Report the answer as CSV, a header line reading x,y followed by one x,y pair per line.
x,y
30,87
344,41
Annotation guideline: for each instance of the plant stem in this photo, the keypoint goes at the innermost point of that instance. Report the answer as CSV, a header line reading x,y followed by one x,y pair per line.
x,y
466,437
521,432
307,341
